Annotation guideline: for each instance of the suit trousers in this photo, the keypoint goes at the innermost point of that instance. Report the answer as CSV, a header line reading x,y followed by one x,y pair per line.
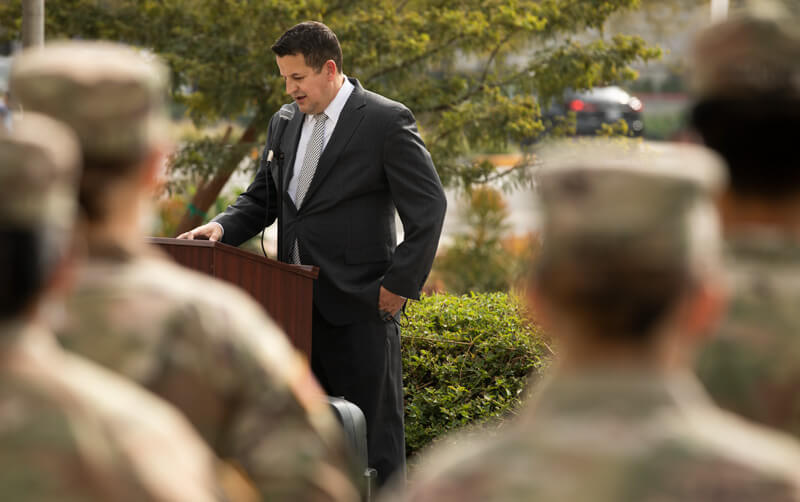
x,y
361,362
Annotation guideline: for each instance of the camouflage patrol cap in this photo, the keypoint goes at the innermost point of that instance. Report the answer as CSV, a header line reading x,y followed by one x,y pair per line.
x,y
39,167
755,51
648,200
110,94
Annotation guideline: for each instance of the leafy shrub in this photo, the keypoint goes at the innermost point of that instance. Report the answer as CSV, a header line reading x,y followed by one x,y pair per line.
x,y
466,360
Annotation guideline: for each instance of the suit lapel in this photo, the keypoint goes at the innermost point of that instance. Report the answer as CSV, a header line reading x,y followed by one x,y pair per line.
x,y
350,118
291,137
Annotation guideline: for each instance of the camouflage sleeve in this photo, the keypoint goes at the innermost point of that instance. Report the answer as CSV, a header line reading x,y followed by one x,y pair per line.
x,y
142,447
71,431
706,481
720,479
211,351
256,402
41,458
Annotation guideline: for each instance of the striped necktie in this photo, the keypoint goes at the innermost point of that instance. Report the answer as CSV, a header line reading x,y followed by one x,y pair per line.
x,y
310,161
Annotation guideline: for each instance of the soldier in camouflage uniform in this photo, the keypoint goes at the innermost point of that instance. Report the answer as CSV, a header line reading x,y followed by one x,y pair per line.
x,y
204,346
70,430
628,280
747,83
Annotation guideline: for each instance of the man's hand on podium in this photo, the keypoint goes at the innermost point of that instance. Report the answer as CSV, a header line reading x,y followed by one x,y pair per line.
x,y
211,231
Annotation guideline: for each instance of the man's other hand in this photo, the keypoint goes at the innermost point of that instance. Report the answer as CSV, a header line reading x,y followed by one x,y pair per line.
x,y
390,302
211,231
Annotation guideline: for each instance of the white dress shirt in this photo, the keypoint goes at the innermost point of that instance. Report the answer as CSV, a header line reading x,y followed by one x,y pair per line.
x,y
333,111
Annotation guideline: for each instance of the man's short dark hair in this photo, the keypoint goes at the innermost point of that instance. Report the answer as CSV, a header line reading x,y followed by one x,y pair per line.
x,y
26,263
613,291
315,41
757,137
97,176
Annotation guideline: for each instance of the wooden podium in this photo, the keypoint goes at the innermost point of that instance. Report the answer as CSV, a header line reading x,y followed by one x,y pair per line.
x,y
284,290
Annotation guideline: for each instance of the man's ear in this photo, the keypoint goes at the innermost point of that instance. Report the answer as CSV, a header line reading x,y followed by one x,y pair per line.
x,y
330,69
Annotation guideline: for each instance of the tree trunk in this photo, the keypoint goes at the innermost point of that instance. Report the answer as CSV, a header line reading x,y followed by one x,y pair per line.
x,y
719,10
32,23
208,191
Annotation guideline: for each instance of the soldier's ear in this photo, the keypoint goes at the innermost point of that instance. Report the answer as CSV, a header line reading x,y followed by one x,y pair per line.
x,y
703,310
154,169
540,310
63,276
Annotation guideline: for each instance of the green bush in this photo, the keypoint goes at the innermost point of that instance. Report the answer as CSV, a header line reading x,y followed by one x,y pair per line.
x,y
466,360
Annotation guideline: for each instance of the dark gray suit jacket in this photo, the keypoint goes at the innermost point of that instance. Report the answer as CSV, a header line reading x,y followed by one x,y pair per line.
x,y
374,163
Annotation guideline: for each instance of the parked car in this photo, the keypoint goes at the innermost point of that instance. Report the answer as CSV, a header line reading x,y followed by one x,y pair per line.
x,y
598,106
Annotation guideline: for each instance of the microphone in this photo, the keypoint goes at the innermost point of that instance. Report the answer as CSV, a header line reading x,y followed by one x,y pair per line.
x,y
285,114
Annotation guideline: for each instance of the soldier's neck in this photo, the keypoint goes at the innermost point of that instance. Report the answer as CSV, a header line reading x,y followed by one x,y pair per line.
x,y
123,221
661,354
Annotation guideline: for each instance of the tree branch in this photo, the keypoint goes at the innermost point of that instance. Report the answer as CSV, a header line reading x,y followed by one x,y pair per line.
x,y
492,57
335,7
498,175
402,64
401,6
481,84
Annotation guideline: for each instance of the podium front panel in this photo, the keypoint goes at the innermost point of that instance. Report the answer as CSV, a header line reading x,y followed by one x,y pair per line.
x,y
285,291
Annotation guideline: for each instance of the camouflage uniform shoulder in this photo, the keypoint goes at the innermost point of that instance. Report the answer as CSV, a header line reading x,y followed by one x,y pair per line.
x,y
713,454
183,334
725,435
752,364
166,295
68,433
625,445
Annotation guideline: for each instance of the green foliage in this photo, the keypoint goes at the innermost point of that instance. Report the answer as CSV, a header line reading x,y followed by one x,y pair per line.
x,y
618,128
10,20
175,201
484,259
450,62
198,158
178,199
466,361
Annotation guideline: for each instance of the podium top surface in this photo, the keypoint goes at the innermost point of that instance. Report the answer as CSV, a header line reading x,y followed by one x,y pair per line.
x,y
309,271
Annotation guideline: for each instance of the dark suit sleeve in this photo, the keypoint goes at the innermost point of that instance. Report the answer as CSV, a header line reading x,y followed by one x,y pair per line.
x,y
249,214
420,201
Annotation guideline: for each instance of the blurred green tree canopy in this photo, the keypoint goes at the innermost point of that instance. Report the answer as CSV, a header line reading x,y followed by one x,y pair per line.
x,y
474,72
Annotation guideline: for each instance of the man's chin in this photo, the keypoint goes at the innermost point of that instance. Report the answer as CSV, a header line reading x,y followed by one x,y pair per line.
x,y
303,105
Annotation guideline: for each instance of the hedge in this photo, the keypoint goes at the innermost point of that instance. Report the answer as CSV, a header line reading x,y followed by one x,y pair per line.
x,y
466,360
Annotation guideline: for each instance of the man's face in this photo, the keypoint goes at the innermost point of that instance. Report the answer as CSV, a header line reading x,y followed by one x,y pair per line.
x,y
312,91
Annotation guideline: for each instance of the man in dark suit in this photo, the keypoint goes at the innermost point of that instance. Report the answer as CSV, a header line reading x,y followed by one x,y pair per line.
x,y
347,160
